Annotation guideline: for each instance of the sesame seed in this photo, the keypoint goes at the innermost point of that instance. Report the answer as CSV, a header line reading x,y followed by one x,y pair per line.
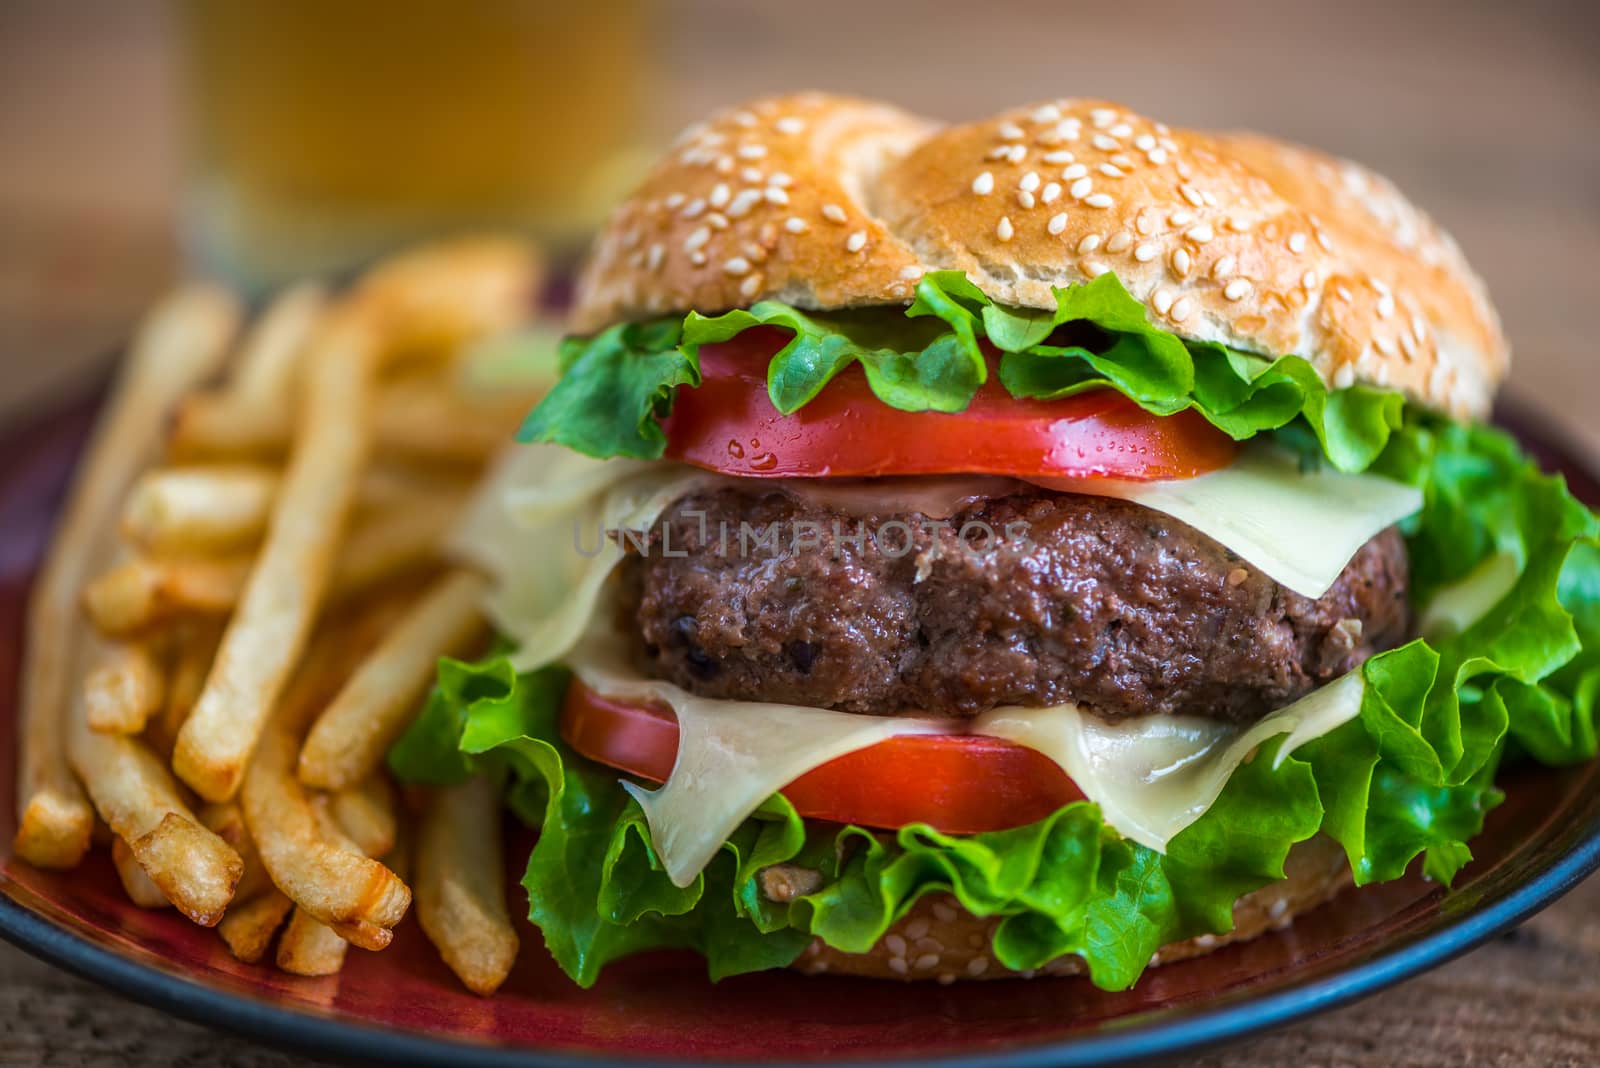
x,y
1050,192
911,272
1156,156
1089,243
1384,345
1192,195
1418,330
983,184
1119,241
1077,170
694,208
1057,157
741,204
946,978
1238,225
720,194
630,239
856,241
716,220
1223,267
795,225
736,265
1080,189
1029,182
751,174
657,254
944,913
998,152
1162,300
754,251
1181,218
1344,377
916,928
1102,117
1046,113
724,164
1104,143
1003,229
1181,262
1385,306
1094,269
833,213
895,944
750,286
789,125
1146,252
743,118
697,258
1010,131
1200,234
1309,280
776,195
1322,239
1297,243
1110,170
1057,223
1098,200
1181,309
674,201
927,962
780,179
977,966
1236,289
701,235
1121,129
1024,198
1017,153
1144,142
898,965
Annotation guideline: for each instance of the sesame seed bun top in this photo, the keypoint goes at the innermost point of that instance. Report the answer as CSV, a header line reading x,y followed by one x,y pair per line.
x,y
829,202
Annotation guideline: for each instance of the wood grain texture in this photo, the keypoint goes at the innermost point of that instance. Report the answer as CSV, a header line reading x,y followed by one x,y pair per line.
x,y
1485,112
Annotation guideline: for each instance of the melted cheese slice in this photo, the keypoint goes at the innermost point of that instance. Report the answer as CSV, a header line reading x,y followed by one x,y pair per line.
x,y
732,755
1300,528
1154,775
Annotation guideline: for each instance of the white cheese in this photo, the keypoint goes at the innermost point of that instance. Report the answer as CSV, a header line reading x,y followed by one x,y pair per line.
x,y
1154,775
1300,528
732,755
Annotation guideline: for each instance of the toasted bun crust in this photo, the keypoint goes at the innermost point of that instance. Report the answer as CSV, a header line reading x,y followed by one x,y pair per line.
x,y
828,202
940,940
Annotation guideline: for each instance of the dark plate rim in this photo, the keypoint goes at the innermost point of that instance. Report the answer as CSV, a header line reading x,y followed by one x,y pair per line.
x,y
326,1036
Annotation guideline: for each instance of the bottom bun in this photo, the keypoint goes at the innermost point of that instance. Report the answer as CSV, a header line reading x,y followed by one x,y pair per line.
x,y
939,940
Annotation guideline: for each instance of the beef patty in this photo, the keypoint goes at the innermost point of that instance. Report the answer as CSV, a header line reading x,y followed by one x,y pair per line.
x,y
1091,599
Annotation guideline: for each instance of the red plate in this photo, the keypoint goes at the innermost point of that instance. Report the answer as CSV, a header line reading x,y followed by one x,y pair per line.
x,y
402,1005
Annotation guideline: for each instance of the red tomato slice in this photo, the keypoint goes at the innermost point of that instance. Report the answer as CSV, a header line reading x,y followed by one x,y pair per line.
x,y
956,783
728,424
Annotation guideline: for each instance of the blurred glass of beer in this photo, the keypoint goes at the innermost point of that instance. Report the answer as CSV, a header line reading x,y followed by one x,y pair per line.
x,y
323,134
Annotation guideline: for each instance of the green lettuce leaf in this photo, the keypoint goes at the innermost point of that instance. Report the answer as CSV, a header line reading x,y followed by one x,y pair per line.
x,y
931,357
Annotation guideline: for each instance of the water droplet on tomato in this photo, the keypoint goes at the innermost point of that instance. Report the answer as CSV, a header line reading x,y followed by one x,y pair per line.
x,y
735,450
765,462
755,443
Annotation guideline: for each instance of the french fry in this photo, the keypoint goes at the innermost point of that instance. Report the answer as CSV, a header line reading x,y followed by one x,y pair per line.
x,y
125,687
140,888
199,509
435,298
347,743
181,342
269,361
322,873
428,425
366,814
285,590
194,646
226,820
392,544
142,593
248,926
459,885
308,946
135,794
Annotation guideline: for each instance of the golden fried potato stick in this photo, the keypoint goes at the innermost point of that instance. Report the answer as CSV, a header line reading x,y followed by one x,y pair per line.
x,y
202,509
140,888
135,794
225,819
347,743
436,298
322,873
194,646
137,595
308,946
181,342
266,372
248,926
460,885
286,588
125,686
366,814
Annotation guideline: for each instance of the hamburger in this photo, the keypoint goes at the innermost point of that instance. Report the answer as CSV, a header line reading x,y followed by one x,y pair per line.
x,y
1054,544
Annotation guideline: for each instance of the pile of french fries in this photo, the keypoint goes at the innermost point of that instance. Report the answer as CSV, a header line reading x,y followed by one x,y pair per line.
x,y
244,603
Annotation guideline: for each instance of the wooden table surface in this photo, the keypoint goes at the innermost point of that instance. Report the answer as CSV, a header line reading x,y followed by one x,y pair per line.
x,y
1485,112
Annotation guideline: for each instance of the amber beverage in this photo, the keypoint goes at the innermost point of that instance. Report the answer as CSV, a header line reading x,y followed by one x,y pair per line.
x,y
324,134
